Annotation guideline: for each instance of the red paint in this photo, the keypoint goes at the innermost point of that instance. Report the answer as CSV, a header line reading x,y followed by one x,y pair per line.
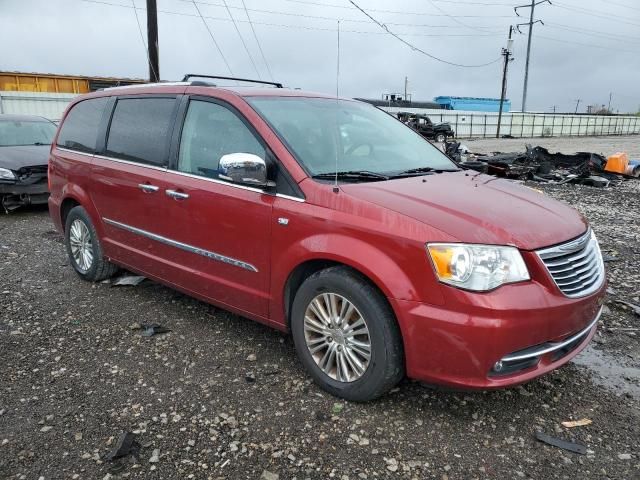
x,y
451,337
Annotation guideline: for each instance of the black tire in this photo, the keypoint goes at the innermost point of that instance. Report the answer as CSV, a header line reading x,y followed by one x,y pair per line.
x,y
441,137
386,365
100,268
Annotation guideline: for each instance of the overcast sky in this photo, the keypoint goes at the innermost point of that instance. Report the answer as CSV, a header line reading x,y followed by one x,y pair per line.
x,y
585,50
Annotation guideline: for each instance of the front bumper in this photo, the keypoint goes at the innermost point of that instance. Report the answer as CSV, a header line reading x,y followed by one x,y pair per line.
x,y
531,327
14,195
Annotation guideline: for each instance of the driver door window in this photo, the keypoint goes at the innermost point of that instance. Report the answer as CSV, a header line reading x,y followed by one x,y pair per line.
x,y
211,131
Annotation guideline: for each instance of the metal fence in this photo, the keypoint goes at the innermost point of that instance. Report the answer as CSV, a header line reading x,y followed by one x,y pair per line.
x,y
48,105
485,125
466,124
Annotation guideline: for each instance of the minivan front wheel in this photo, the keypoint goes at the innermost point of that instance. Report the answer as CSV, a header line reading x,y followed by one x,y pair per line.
x,y
84,248
346,335
441,137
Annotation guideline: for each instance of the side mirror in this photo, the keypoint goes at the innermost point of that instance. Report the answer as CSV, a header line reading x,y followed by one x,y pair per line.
x,y
245,169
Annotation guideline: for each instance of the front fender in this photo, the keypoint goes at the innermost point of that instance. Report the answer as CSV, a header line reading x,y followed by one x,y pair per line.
x,y
399,271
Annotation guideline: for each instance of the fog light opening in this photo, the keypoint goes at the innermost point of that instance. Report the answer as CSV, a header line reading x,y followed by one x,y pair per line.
x,y
497,367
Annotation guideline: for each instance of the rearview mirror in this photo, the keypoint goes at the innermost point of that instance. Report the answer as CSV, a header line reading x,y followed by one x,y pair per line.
x,y
245,169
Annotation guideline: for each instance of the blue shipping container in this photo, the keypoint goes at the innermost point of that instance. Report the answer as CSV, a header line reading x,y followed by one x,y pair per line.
x,y
473,104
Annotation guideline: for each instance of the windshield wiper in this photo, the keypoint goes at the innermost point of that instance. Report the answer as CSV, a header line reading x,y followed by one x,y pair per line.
x,y
352,175
423,170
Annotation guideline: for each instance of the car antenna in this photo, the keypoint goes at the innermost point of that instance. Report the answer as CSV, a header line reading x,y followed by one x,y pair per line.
x,y
335,185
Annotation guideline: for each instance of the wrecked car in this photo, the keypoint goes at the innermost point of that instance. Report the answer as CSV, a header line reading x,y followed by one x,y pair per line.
x,y
25,141
425,127
329,219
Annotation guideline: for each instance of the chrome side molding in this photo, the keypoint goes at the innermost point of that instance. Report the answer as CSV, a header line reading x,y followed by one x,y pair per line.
x,y
182,246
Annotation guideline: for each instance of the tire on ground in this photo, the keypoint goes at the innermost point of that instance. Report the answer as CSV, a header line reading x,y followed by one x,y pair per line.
x,y
386,365
100,268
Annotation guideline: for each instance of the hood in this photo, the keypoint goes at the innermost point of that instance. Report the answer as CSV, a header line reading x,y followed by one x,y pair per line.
x,y
14,158
476,208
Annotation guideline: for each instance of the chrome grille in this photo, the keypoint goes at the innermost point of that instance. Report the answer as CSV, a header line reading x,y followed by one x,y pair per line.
x,y
576,266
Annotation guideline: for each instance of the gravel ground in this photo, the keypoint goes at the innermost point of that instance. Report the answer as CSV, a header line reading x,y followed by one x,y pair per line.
x,y
223,397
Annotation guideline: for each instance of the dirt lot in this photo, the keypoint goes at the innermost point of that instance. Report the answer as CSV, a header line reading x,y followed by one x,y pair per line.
x,y
223,397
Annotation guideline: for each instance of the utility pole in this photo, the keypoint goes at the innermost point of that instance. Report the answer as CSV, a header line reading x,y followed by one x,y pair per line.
x,y
506,53
553,107
406,83
609,107
530,23
152,41
577,104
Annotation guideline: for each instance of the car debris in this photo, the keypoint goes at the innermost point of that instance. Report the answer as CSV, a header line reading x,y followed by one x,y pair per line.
x,y
128,281
577,423
633,307
126,445
564,444
149,330
538,164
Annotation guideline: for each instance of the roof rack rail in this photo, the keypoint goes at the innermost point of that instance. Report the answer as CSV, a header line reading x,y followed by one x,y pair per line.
x,y
189,75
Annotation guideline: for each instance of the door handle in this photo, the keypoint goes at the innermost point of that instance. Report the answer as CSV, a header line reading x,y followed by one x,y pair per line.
x,y
148,188
177,195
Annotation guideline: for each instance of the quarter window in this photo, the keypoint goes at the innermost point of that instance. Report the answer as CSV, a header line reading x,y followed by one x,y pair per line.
x,y
140,130
79,130
211,131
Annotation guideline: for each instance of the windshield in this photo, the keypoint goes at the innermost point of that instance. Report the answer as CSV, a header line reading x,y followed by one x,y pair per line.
x,y
14,133
360,136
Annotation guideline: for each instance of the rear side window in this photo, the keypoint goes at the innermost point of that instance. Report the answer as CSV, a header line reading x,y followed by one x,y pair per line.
x,y
80,128
140,130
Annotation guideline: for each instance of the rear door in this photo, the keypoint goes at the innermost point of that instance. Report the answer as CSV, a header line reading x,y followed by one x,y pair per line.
x,y
129,180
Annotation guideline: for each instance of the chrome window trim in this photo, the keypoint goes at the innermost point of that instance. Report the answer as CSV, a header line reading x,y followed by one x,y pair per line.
x,y
289,197
217,181
77,152
183,246
552,346
184,174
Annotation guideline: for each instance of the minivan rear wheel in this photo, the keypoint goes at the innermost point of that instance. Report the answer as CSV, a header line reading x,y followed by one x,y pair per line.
x,y
346,335
84,248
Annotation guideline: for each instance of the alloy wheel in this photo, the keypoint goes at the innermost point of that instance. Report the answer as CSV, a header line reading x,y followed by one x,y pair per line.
x,y
81,245
337,337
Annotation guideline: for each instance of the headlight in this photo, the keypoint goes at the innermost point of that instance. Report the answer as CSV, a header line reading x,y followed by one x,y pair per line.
x,y
6,174
477,267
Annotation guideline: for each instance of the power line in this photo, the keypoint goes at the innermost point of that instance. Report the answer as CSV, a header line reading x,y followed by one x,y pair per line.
x,y
264,59
332,19
461,2
144,44
595,13
413,47
455,19
592,45
300,27
346,7
235,25
593,33
213,39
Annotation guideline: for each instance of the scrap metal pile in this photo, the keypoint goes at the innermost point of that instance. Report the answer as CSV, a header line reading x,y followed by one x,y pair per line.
x,y
537,163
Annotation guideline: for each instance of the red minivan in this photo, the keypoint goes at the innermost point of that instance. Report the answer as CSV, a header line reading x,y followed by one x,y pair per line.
x,y
330,219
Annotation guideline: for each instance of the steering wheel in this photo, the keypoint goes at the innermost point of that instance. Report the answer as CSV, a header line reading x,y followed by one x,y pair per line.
x,y
355,146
